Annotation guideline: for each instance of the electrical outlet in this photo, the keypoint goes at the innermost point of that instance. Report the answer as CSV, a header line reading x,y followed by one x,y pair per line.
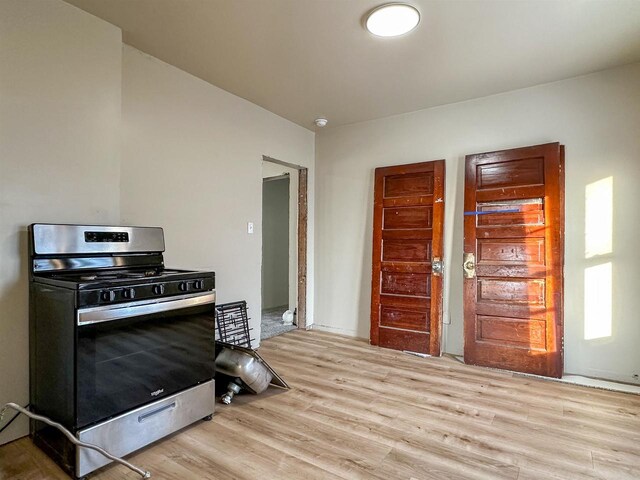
x,y
250,228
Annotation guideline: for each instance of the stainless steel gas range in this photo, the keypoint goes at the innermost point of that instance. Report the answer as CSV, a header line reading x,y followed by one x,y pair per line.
x,y
121,348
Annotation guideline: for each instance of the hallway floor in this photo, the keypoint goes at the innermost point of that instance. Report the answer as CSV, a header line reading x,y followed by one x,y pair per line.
x,y
271,324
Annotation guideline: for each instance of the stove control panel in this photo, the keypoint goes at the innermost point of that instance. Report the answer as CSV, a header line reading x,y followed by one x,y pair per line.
x,y
129,293
94,237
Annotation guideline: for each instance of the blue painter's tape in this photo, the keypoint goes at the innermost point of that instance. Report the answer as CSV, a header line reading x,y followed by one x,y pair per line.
x,y
487,212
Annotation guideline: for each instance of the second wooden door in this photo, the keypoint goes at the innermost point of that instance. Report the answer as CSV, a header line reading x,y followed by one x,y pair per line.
x,y
406,298
513,244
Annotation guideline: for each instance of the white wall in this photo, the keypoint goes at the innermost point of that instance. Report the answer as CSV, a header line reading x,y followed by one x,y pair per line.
x,y
191,160
192,163
60,93
271,169
596,116
275,243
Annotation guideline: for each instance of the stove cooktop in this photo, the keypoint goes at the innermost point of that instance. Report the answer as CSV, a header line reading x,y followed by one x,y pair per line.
x,y
92,279
102,276
116,286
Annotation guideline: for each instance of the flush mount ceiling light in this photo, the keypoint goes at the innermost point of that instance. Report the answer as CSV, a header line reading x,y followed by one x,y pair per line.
x,y
392,19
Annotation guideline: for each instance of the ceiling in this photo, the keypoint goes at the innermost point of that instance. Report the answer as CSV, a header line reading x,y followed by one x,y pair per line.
x,y
302,59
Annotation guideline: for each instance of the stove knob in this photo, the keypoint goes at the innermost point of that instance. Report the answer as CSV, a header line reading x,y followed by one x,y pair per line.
x,y
183,286
107,295
158,289
129,293
198,284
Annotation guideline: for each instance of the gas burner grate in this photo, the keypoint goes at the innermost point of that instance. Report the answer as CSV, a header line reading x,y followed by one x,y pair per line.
x,y
90,277
233,324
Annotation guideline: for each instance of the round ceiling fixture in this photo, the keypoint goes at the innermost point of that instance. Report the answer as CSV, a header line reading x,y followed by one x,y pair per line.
x,y
321,122
392,19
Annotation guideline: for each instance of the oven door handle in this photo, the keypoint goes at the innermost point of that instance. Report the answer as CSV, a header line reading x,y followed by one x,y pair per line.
x,y
129,310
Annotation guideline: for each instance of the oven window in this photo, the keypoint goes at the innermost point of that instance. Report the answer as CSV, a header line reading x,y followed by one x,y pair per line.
x,y
127,363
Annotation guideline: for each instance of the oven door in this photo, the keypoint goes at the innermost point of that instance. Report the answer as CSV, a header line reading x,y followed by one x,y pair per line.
x,y
135,353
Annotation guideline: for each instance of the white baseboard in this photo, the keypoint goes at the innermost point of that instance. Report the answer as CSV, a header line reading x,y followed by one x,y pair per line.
x,y
342,331
605,375
604,384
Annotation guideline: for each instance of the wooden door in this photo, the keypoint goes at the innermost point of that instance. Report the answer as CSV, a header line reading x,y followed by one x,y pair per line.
x,y
514,255
406,294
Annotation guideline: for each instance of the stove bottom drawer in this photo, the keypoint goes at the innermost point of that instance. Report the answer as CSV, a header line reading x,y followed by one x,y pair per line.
x,y
140,427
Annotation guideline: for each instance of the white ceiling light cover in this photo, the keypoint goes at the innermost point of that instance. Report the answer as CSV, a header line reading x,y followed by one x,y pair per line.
x,y
392,19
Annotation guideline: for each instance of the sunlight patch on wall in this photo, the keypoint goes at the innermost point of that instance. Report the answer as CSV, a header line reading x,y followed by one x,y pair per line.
x,y
599,218
597,301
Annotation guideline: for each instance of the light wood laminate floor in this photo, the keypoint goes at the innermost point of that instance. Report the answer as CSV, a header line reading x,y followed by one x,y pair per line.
x,y
361,412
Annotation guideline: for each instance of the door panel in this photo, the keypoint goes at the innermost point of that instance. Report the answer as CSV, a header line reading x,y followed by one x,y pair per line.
x,y
411,283
407,217
403,340
511,332
514,173
511,213
398,317
408,185
516,251
515,291
406,298
514,227
407,250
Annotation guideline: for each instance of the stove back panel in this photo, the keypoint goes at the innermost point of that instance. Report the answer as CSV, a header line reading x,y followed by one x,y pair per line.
x,y
49,239
46,264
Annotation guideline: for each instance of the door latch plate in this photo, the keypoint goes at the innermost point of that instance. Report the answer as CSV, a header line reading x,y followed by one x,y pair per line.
x,y
469,265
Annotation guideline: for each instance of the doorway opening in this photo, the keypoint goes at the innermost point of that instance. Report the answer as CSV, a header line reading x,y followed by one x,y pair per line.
x,y
284,215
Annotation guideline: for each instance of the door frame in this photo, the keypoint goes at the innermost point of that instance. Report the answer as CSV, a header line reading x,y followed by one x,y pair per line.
x,y
301,316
